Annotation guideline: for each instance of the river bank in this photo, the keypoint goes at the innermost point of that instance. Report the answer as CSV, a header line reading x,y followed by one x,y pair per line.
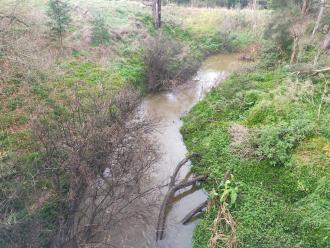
x,y
264,126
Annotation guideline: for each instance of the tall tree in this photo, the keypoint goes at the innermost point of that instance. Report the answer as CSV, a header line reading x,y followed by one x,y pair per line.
x,y
305,7
157,14
319,17
59,14
326,43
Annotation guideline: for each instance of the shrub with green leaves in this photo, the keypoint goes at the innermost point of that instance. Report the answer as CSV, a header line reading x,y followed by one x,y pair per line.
x,y
275,143
100,33
59,14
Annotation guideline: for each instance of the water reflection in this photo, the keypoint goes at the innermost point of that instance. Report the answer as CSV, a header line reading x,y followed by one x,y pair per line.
x,y
167,108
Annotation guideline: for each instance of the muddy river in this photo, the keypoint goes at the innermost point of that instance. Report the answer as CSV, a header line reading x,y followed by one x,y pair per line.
x,y
167,108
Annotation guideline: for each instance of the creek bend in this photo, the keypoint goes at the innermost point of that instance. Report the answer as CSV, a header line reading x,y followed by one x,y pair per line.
x,y
167,108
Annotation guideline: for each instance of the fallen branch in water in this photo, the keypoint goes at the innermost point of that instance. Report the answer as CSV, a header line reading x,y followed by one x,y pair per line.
x,y
178,167
193,212
173,188
162,213
200,208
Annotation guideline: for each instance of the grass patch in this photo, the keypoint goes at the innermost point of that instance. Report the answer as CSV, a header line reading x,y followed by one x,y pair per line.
x,y
284,201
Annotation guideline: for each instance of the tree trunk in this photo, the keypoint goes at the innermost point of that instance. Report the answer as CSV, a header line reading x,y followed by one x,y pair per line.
x,y
156,10
326,44
255,4
305,7
319,17
294,54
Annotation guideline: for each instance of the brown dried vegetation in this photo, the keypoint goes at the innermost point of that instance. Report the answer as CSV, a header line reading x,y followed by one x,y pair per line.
x,y
104,157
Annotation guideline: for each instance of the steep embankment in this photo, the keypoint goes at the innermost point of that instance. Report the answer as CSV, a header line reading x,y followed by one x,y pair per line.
x,y
270,128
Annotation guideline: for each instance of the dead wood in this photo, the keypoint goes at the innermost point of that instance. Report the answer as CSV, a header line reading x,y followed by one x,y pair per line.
x,y
178,167
193,212
319,17
13,18
225,222
162,213
224,225
321,70
326,43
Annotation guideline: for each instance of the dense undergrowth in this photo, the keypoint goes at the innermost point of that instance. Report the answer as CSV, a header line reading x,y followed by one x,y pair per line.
x,y
90,64
268,126
284,199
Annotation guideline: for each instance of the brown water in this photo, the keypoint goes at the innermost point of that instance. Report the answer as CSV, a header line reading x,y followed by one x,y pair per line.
x,y
167,108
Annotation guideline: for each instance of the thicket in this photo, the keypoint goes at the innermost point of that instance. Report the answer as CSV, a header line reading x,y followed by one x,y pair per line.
x,y
167,63
214,3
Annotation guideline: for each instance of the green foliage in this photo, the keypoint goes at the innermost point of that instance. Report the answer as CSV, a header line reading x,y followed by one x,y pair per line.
x,y
177,32
279,32
132,70
148,22
277,142
100,33
59,14
48,213
279,206
226,192
14,103
271,56
12,119
87,75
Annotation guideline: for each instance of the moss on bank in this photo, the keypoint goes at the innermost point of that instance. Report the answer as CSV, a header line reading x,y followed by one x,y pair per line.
x,y
285,198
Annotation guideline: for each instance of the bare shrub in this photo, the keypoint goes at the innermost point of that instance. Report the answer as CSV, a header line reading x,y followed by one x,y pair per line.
x,y
224,221
240,144
102,155
24,55
166,63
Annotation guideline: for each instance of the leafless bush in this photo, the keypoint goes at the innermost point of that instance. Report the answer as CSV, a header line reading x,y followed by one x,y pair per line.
x,y
24,54
105,157
240,144
166,63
